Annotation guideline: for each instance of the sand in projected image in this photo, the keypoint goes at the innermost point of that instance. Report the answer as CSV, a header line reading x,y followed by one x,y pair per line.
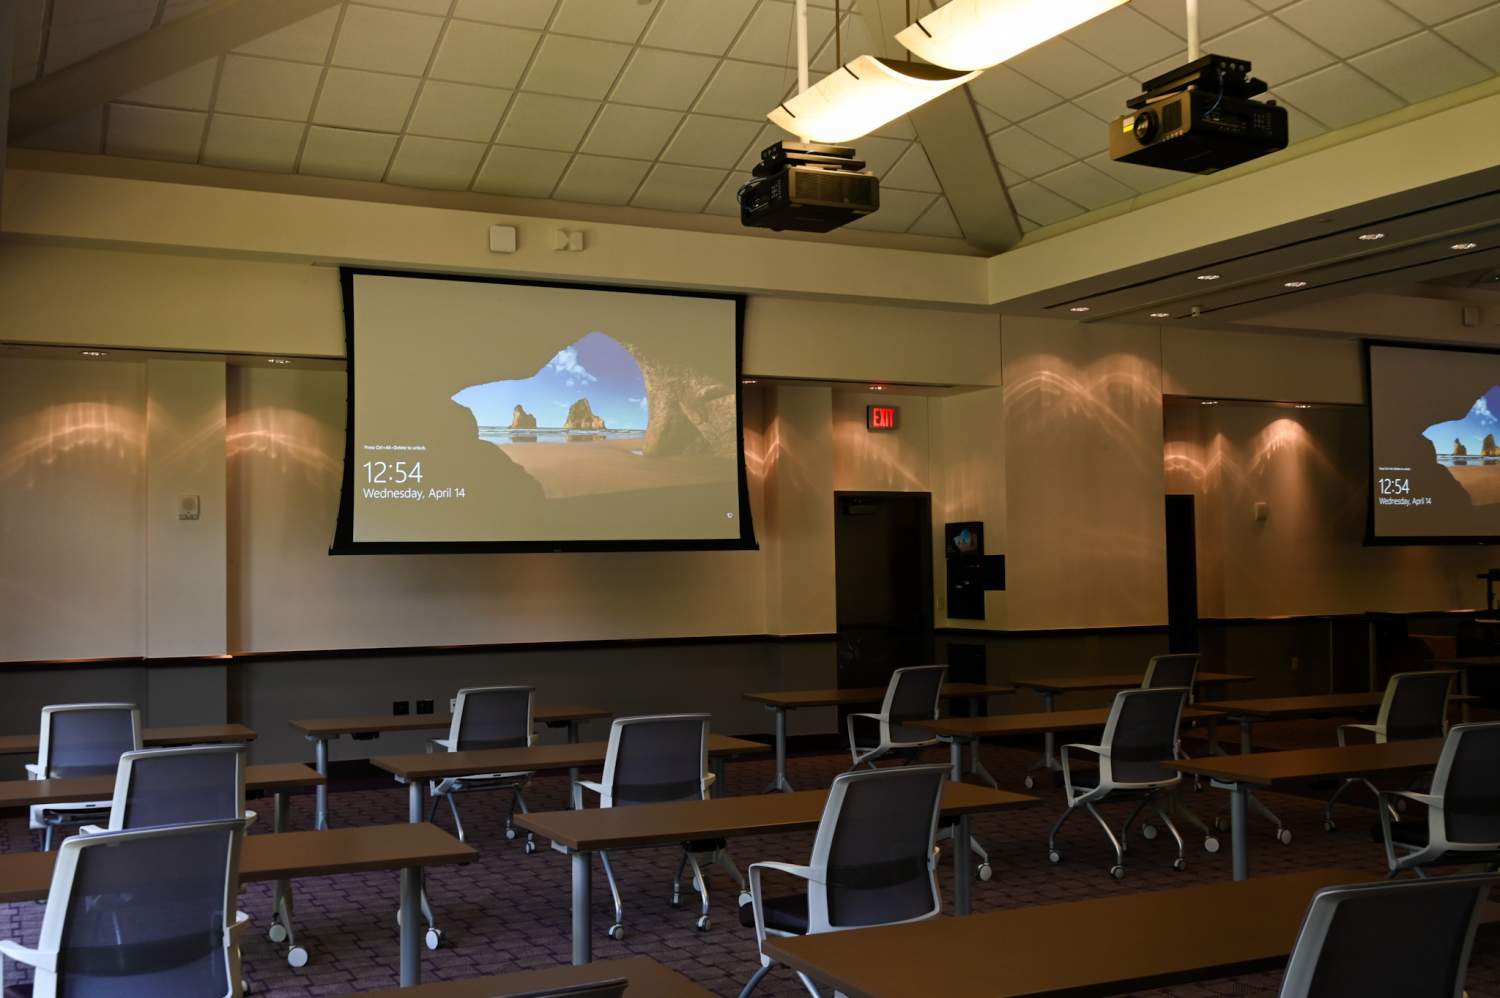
x,y
1467,449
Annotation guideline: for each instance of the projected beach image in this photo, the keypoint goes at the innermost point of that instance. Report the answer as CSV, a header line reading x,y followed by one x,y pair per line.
x,y
1467,448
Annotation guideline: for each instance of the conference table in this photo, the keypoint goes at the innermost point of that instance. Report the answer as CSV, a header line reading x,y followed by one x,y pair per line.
x,y
184,734
1239,774
1106,945
581,833
1052,687
644,977
976,694
410,848
1465,665
320,731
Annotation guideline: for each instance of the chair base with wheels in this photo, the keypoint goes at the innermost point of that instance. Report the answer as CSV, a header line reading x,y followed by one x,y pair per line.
x,y
1121,842
449,789
695,855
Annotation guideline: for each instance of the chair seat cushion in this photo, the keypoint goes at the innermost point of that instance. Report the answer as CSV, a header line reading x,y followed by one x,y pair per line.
x,y
784,914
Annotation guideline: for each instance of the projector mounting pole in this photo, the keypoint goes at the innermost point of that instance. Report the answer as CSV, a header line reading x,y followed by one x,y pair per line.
x,y
1195,49
801,15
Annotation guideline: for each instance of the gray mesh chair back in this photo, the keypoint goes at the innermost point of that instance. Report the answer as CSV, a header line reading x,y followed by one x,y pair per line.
x,y
1415,705
493,717
87,739
1171,670
1142,732
1469,784
174,786
1410,938
656,759
880,849
913,696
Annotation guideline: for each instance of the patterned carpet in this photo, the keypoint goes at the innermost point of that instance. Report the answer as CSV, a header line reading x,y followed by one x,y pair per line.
x,y
510,911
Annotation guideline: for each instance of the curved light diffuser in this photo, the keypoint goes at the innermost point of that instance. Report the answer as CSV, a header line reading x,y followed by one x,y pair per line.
x,y
862,95
978,34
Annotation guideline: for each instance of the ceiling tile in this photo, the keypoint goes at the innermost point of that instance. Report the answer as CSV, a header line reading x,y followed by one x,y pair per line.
x,y
770,35
441,164
268,88
1063,68
1126,39
708,141
695,26
79,28
526,173
306,40
540,121
1142,178
190,89
1041,205
1478,34
1339,96
745,90
1420,67
386,41
1214,17
1346,27
1082,184
658,78
938,221
487,54
898,211
989,121
853,38
1071,129
252,143
897,128
344,152
1009,176
154,133
438,8
912,172
458,111
610,20
726,200
677,188
1108,102
575,67
1277,52
1438,11
171,10
1019,150
80,133
880,154
1011,95
601,180
632,132
1300,126
515,13
376,102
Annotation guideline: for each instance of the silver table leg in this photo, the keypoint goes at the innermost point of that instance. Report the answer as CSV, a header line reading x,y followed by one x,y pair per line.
x,y
411,892
320,792
780,782
1238,830
1048,762
573,789
583,921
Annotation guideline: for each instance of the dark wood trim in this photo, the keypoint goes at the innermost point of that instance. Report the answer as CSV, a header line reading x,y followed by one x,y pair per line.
x,y
1055,632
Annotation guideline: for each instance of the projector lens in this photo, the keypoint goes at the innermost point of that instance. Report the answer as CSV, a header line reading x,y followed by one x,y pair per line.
x,y
1145,126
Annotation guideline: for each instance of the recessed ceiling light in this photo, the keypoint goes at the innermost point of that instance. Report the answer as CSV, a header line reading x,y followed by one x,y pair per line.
x,y
1161,315
1209,402
1464,246
1079,308
1370,237
1295,284
94,353
1208,277
278,361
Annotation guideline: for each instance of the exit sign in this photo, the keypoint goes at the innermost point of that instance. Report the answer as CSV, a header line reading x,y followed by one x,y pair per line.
x,y
880,417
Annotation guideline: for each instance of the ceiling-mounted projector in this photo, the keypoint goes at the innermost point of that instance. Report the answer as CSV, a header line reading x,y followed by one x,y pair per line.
x,y
1200,118
807,187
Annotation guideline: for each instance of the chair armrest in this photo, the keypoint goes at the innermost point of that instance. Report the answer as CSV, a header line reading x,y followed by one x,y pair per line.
x,y
30,957
34,771
597,788
1354,727
1067,769
91,830
757,896
1426,800
236,929
250,817
443,743
709,779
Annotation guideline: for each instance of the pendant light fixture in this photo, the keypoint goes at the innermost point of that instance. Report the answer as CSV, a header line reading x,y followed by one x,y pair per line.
x,y
977,34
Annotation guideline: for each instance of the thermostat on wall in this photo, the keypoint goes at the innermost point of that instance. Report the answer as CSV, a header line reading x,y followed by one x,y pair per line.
x,y
188,507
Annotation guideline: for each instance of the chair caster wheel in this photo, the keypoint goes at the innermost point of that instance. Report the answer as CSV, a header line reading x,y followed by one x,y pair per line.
x,y
617,932
1118,872
244,987
703,923
1329,826
1284,836
745,898
1210,844
276,933
530,847
1179,864
510,833
1030,782
1054,857
985,872
1148,831
297,956
434,938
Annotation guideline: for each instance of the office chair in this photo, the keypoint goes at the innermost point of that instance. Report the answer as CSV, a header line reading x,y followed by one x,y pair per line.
x,y
487,717
1140,733
1415,705
652,760
1462,823
140,914
80,739
1410,938
1177,670
873,862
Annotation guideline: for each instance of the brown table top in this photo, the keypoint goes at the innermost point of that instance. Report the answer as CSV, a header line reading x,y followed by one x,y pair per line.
x,y
648,979
1471,662
26,876
1264,769
1103,945
74,789
1312,706
332,727
1041,722
793,699
1122,681
184,734
537,758
724,817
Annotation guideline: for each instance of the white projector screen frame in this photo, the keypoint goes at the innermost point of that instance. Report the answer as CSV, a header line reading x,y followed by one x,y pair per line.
x,y
349,540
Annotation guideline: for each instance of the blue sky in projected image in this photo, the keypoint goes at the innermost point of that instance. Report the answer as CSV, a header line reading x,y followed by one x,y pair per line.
x,y
1480,422
596,368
